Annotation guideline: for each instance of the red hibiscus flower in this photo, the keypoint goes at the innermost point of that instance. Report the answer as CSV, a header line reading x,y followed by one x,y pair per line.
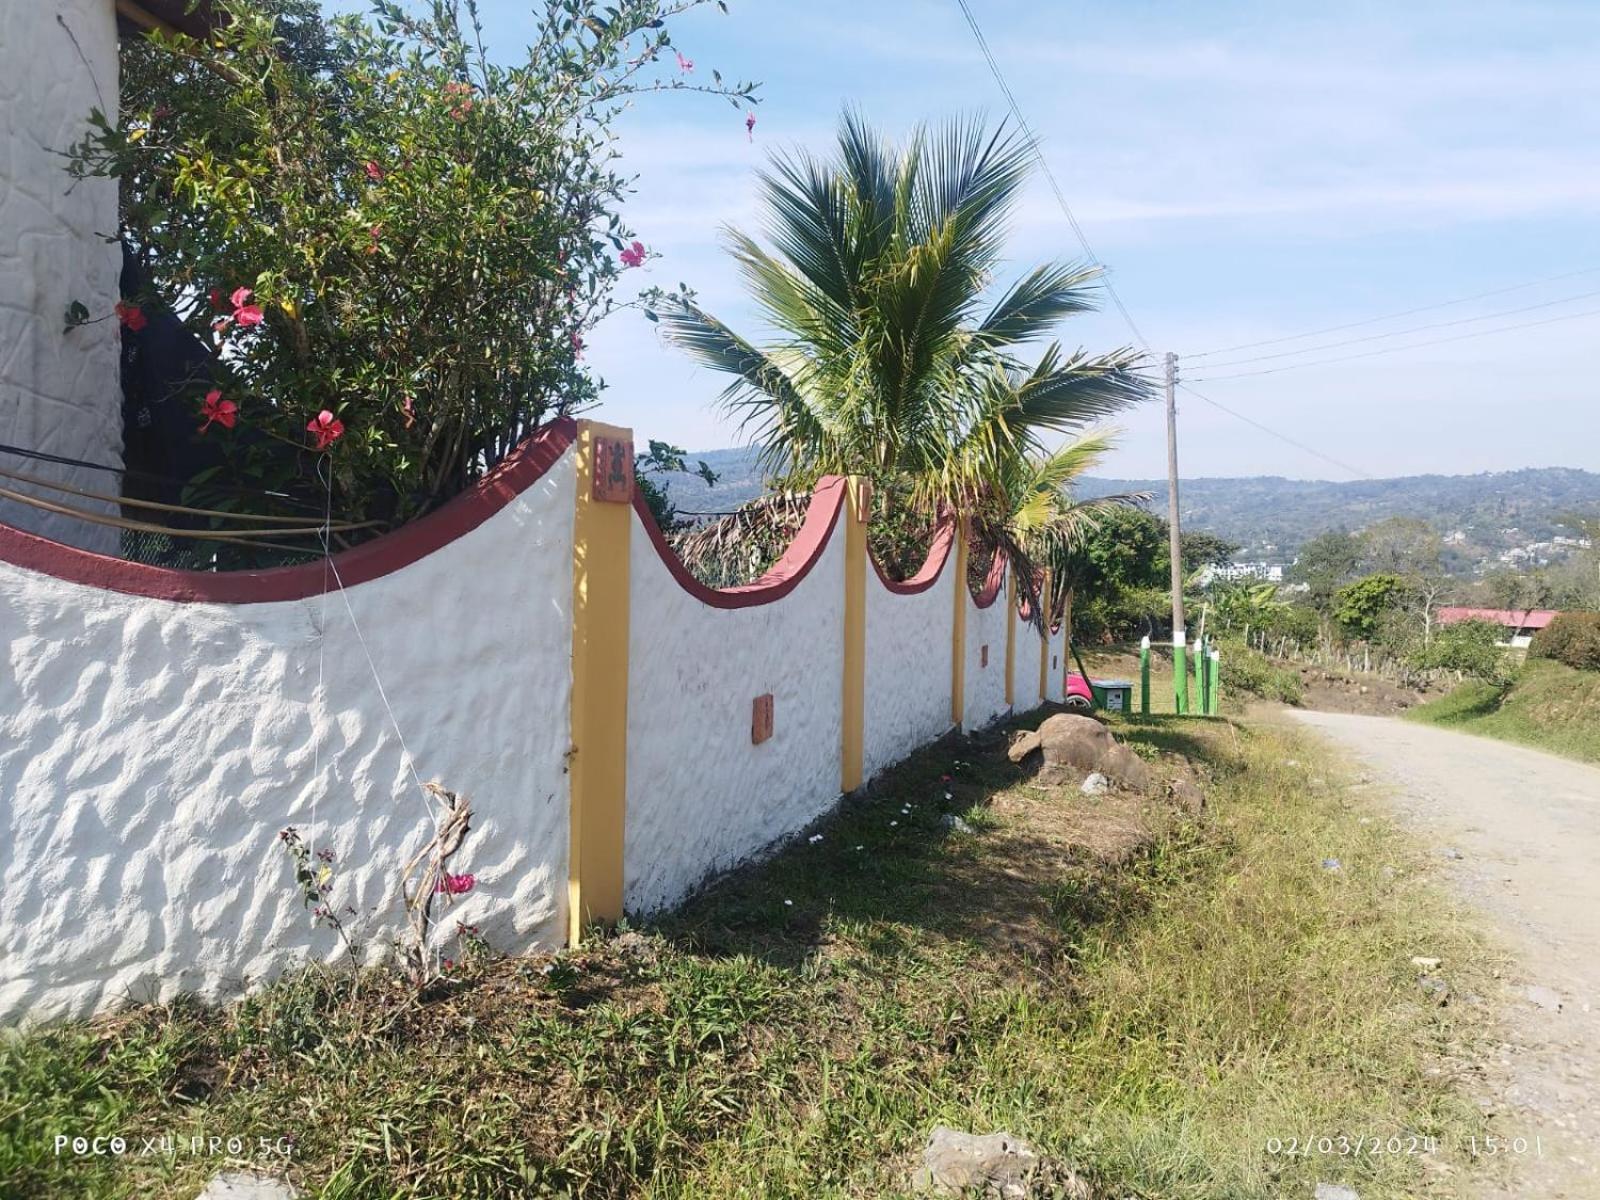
x,y
241,297
633,256
374,172
249,315
215,408
130,315
325,429
218,299
456,885
684,64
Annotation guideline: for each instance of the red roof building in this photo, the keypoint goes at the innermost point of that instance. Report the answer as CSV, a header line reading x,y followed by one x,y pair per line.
x,y
1520,624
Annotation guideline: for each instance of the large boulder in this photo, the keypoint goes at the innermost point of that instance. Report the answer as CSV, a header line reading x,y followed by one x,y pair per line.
x,y
996,1166
1073,743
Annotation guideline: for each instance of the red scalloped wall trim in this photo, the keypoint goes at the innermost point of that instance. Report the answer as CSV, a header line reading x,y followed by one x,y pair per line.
x,y
944,540
827,501
991,584
522,468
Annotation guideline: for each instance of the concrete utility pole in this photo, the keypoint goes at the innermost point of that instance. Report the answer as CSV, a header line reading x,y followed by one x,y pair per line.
x,y
1174,546
1173,533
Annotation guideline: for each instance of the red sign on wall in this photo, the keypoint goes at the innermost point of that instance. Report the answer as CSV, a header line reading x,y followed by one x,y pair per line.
x,y
613,470
761,719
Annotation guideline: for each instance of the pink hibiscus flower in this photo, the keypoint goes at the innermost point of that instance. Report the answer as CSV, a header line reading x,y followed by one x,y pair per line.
x,y
215,409
325,429
633,256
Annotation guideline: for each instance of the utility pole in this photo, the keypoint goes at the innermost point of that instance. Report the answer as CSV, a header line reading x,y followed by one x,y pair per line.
x,y
1174,546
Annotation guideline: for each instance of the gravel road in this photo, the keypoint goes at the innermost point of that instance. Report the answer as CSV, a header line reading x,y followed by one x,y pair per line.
x,y
1518,834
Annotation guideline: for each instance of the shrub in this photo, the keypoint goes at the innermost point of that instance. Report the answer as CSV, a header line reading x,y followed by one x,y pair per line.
x,y
1471,647
391,244
1244,670
1572,638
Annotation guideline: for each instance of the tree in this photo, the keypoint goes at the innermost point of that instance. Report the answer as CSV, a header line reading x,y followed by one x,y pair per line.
x,y
660,459
1359,607
1325,564
391,243
1516,591
887,359
1410,549
1197,548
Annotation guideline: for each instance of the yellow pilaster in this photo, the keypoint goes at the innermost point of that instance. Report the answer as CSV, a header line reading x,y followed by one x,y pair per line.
x,y
1043,614
858,509
602,524
1011,637
958,635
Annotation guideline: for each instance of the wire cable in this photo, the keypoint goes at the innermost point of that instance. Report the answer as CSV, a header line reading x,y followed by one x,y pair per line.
x,y
1374,337
1282,437
1044,166
1408,312
1322,362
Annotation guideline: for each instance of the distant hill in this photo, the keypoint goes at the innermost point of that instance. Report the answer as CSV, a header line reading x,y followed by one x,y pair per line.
x,y
1485,516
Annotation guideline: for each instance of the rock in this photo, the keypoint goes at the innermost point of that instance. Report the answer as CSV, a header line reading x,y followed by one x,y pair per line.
x,y
1022,745
1335,1191
996,1166
634,944
1437,989
1186,794
247,1185
1427,964
1095,784
953,822
1452,853
1083,744
1332,864
1545,998
1074,741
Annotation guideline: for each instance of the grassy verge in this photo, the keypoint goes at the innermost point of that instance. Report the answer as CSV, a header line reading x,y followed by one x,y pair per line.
x,y
1155,1008
1548,705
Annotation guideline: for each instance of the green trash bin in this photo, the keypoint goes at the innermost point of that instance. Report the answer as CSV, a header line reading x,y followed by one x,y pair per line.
x,y
1113,695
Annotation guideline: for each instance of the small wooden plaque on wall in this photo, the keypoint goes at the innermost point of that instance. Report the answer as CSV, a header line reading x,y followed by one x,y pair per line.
x,y
761,719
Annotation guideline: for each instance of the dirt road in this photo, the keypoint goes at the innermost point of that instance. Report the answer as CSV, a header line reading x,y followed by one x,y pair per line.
x,y
1518,833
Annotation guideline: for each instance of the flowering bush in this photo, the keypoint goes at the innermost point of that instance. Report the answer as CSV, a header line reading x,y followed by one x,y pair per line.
x,y
391,243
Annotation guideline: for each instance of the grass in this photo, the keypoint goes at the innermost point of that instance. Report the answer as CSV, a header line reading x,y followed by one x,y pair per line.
x,y
1549,705
1150,998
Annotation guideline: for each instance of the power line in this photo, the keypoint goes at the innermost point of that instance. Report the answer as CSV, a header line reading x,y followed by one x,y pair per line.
x,y
1083,240
1295,337
1374,337
1282,437
1322,362
1061,199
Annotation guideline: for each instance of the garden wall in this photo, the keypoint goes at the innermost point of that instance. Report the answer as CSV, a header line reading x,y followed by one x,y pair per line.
x,y
158,729
59,391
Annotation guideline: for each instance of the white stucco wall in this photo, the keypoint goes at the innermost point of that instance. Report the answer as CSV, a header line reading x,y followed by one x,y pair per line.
x,y
1056,677
151,751
907,701
701,796
59,392
1027,693
985,686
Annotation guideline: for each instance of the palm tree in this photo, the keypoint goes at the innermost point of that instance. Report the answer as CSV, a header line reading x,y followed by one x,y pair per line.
x,y
886,360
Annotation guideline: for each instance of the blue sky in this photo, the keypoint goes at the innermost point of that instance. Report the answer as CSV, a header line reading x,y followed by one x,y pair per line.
x,y
1246,170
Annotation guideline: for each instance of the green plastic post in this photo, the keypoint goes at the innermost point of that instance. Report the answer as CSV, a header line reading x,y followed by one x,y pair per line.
x,y
1144,675
1198,665
1215,689
1180,673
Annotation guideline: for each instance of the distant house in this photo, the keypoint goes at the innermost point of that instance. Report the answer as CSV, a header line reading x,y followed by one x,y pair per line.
x,y
1519,624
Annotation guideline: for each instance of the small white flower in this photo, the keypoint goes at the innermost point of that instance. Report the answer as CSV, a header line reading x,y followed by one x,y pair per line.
x,y
790,903
893,823
814,838
860,847
948,796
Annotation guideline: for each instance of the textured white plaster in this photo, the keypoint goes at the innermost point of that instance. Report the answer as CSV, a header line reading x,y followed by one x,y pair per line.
x,y
151,751
1027,693
1056,676
59,392
907,670
701,796
986,685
